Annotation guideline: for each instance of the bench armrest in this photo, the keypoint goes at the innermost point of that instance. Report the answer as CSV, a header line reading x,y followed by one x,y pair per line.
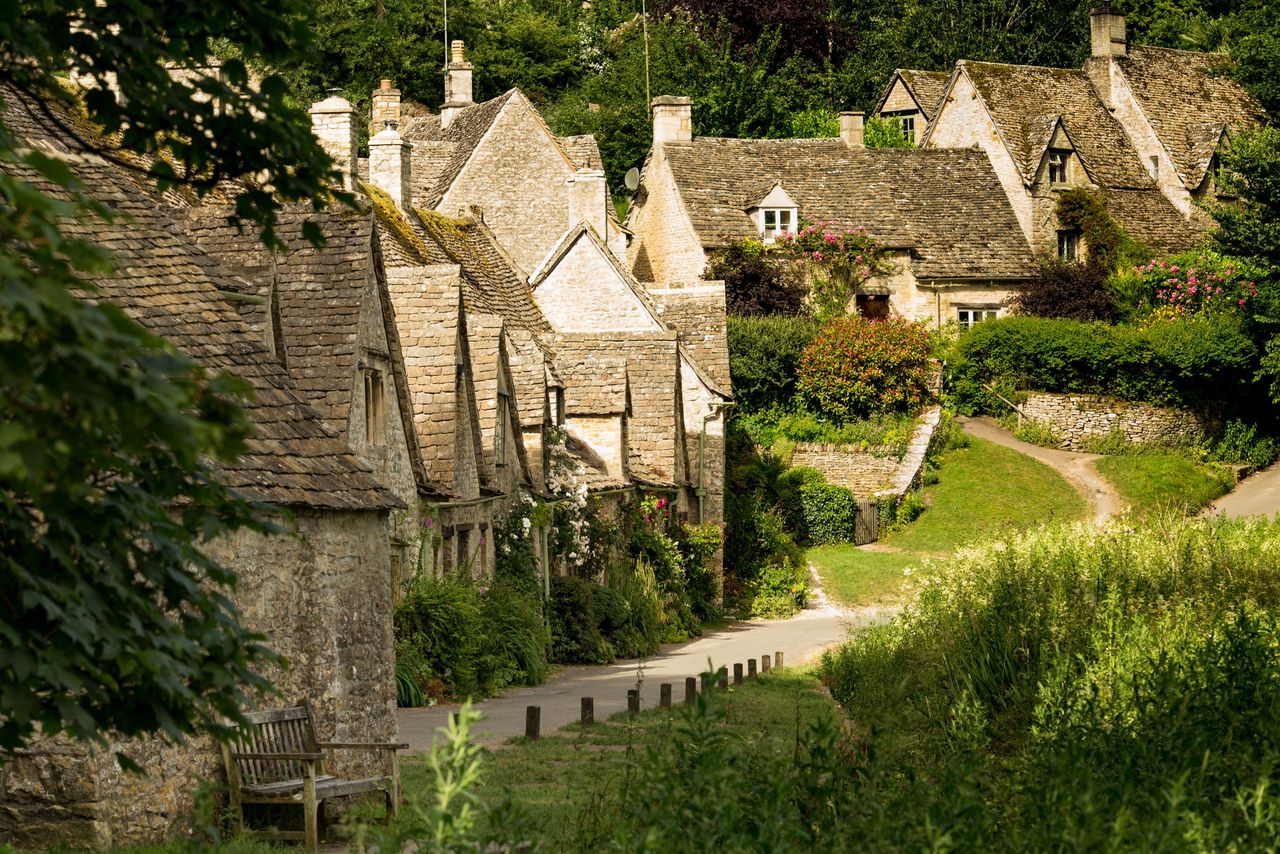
x,y
363,745
300,757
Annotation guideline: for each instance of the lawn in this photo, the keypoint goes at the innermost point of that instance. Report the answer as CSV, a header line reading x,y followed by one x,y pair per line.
x,y
1154,483
572,787
983,490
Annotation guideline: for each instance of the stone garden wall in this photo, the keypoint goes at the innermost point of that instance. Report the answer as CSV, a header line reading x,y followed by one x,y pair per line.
x,y
1076,417
868,473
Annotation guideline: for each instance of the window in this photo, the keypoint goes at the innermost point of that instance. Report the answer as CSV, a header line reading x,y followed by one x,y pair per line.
x,y
375,417
1155,168
777,221
559,402
1068,246
500,435
908,125
1058,165
969,316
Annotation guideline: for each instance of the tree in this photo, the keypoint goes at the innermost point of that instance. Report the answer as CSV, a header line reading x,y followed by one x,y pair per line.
x,y
755,284
857,367
1076,290
885,133
112,618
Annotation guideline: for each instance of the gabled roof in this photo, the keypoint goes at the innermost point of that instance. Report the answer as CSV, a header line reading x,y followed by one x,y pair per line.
x,y
439,154
926,87
697,313
946,205
583,150
587,234
1024,100
490,369
1190,100
532,373
291,459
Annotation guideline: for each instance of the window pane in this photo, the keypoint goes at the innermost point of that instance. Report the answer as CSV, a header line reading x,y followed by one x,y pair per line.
x,y
784,220
770,220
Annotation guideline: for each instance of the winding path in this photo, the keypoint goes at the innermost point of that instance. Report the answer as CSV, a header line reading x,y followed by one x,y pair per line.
x,y
1256,495
799,638
1076,467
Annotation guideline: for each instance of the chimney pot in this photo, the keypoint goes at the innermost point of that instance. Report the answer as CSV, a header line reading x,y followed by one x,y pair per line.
x,y
853,128
385,85
385,107
672,119
457,85
456,51
1107,35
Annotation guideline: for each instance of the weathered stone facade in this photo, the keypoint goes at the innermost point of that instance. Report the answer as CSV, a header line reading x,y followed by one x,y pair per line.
x,y
865,472
1075,418
322,596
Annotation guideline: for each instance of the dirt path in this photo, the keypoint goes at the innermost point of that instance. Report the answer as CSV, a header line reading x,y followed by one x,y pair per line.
x,y
800,638
1076,467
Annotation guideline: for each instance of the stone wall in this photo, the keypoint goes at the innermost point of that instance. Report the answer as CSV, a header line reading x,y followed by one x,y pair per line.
x,y
1076,417
323,598
586,293
665,247
870,473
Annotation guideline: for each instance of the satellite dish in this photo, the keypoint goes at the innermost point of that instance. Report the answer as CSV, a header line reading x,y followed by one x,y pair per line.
x,y
633,179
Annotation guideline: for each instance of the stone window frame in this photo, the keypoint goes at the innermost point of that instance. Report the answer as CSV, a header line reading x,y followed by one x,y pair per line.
x,y
1069,245
375,404
501,441
1058,166
970,315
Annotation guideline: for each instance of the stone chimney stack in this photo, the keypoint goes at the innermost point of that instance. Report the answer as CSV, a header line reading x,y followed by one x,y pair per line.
x,y
852,128
390,165
589,200
672,119
333,121
457,84
1107,32
386,107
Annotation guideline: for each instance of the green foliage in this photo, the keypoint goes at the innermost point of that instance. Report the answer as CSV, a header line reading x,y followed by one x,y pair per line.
x,y
884,434
764,355
839,261
1249,226
1197,282
1159,484
754,285
1067,289
790,501
1108,245
1194,361
895,513
1041,687
575,627
829,512
884,133
857,367
440,620
1244,444
1039,433
815,123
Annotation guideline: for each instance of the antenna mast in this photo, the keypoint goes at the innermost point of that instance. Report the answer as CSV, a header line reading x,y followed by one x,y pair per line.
x,y
446,34
644,26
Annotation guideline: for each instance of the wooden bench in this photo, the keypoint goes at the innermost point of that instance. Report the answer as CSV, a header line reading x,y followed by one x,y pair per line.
x,y
277,759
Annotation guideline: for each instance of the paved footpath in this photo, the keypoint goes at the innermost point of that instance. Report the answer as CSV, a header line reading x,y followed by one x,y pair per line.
x,y
799,638
1256,495
1076,467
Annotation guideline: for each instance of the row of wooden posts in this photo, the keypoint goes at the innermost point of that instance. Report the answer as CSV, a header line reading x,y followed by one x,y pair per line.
x,y
533,714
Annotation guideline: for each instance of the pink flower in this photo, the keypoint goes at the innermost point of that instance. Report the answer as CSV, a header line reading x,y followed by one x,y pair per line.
x,y
1242,302
662,502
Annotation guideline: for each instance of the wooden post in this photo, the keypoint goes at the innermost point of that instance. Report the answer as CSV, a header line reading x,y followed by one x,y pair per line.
x,y
690,689
722,677
588,711
664,695
737,674
764,664
777,659
532,721
751,668
633,701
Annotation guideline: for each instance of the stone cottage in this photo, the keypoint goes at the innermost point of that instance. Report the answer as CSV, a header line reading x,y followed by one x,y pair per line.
x,y
911,99
955,244
321,596
1140,125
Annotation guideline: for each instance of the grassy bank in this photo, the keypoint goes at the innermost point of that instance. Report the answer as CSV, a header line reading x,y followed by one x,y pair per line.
x,y
1081,689
1159,482
983,491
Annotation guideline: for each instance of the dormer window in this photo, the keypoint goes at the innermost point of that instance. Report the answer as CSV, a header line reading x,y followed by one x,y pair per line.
x,y
1058,160
777,221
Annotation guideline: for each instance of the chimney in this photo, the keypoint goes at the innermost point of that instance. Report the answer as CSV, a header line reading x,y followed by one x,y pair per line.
x,y
851,129
333,121
672,119
1107,32
390,165
386,107
589,200
457,84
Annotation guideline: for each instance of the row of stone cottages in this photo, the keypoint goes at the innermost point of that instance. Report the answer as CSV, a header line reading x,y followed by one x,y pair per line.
x,y
964,214
471,336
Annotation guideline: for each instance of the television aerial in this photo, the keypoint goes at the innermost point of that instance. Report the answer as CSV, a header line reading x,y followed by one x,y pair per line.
x,y
632,179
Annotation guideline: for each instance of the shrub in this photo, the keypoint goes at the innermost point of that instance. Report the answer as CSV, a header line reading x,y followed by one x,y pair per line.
x,y
829,513
764,355
754,284
839,260
575,627
857,367
1196,361
884,133
439,618
1201,282
790,503
896,512
1108,245
1244,444
889,434
1068,289
514,641
1038,433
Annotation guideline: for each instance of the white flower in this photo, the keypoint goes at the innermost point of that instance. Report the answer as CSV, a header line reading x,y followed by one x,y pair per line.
x,y
527,524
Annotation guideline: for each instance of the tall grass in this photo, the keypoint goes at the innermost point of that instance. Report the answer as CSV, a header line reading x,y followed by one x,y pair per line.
x,y
1097,689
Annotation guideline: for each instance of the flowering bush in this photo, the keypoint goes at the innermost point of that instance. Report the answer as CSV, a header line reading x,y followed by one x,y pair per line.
x,y
857,367
840,260
1203,283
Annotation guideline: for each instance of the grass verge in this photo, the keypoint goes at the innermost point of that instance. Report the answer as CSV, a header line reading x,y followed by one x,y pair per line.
x,y
983,491
1154,483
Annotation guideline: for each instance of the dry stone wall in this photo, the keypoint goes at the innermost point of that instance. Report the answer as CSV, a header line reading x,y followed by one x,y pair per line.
x,y
1077,417
869,473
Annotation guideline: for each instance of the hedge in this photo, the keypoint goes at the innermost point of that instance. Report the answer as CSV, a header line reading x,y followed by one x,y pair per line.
x,y
829,513
764,354
1198,362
